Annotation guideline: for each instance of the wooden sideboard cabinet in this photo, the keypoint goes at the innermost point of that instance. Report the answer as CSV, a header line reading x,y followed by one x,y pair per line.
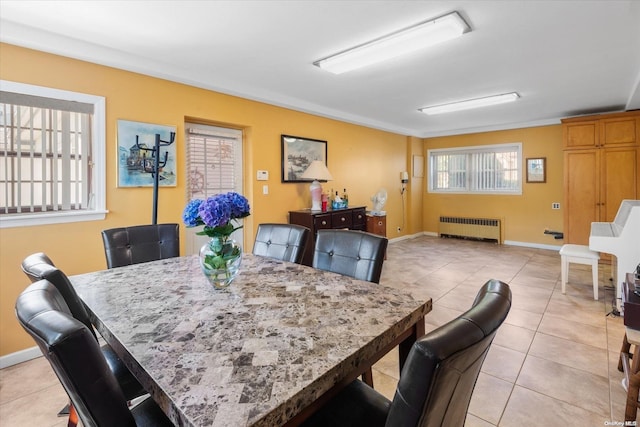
x,y
601,160
377,225
351,218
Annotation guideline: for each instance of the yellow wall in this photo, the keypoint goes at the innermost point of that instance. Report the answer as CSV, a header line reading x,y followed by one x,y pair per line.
x,y
359,158
525,217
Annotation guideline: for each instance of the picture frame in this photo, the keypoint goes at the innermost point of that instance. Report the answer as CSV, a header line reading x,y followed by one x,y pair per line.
x,y
134,164
537,170
298,153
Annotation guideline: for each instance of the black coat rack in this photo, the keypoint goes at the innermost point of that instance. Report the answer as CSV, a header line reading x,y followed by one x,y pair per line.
x,y
154,168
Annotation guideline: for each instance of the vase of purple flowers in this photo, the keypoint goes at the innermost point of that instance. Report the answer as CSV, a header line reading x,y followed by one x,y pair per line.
x,y
221,256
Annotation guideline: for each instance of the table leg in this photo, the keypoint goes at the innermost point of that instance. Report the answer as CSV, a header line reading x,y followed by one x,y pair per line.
x,y
405,346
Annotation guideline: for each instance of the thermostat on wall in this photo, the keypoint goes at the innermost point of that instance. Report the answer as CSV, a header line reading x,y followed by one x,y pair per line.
x,y
263,176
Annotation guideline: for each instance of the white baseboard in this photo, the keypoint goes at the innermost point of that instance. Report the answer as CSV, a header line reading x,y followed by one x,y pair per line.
x,y
19,357
506,242
406,237
533,245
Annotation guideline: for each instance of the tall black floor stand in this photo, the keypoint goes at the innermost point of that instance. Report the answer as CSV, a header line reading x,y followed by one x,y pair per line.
x,y
154,169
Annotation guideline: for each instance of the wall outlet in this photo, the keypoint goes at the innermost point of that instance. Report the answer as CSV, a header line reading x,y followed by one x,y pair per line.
x,y
555,205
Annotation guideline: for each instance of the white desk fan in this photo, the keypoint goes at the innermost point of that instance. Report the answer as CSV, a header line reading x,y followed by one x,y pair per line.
x,y
379,199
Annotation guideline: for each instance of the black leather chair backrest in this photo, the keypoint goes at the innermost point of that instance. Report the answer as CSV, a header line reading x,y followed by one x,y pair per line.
x,y
352,253
441,370
285,242
74,355
140,243
39,266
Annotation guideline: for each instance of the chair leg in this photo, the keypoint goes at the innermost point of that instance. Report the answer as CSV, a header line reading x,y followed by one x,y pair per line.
x,y
64,411
73,416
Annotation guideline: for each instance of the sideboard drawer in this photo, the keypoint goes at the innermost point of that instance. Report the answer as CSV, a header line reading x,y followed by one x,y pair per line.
x,y
359,219
341,219
322,221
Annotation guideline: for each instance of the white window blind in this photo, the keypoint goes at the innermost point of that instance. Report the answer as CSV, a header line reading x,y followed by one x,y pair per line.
x,y
214,159
486,169
46,154
52,156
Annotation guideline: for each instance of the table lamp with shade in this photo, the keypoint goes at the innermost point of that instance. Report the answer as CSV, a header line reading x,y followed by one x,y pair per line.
x,y
316,171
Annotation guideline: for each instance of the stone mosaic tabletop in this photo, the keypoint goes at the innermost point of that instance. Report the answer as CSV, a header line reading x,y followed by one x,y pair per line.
x,y
255,353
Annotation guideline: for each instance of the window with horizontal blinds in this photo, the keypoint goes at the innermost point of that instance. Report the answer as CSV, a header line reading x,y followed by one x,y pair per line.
x,y
494,169
46,154
214,157
52,156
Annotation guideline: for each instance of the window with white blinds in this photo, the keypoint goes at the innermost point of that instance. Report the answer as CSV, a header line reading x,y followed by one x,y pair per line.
x,y
214,159
48,155
494,169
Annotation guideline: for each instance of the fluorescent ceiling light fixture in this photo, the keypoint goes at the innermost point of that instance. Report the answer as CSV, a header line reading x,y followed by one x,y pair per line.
x,y
408,40
471,103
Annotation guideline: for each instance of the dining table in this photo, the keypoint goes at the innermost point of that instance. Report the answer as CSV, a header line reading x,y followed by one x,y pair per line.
x,y
268,350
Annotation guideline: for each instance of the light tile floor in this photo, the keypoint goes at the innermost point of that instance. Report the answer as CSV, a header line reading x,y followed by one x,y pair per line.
x,y
553,362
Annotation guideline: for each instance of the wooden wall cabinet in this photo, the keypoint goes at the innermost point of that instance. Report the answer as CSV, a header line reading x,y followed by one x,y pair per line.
x,y
601,158
351,218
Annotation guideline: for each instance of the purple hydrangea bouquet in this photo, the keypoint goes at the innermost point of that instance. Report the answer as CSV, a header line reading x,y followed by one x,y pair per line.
x,y
220,257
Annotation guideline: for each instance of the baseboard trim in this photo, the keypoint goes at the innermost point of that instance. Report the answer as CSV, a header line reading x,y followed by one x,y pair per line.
x,y
19,357
406,237
532,245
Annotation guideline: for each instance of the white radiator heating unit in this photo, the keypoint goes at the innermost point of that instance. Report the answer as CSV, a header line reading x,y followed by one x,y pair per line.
x,y
471,228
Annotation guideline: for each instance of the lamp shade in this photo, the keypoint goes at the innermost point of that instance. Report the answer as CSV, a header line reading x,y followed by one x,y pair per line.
x,y
317,170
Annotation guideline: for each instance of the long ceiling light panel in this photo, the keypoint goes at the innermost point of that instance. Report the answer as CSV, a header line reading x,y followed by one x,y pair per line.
x,y
408,40
471,103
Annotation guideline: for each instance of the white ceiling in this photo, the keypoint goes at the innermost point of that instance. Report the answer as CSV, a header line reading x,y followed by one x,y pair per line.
x,y
564,58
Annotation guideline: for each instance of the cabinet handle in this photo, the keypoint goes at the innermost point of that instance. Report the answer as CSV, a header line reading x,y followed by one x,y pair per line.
x,y
379,222
324,222
343,219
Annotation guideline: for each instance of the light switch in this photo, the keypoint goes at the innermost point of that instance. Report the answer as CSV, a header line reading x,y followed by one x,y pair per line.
x,y
262,175
265,189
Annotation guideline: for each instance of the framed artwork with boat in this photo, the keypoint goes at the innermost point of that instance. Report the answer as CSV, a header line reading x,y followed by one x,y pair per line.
x,y
297,155
136,154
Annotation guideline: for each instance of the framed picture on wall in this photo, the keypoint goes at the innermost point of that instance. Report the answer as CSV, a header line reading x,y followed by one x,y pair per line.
x,y
537,170
297,155
136,142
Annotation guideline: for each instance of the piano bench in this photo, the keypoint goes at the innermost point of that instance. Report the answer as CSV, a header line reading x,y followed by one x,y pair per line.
x,y
579,254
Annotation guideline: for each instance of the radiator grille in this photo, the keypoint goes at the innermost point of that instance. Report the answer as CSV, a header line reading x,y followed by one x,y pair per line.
x,y
470,228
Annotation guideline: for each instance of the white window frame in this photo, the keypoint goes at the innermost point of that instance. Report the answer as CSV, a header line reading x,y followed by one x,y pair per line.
x,y
469,151
97,209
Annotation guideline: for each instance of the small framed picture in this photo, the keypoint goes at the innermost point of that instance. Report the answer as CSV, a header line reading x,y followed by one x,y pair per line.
x,y
537,170
297,155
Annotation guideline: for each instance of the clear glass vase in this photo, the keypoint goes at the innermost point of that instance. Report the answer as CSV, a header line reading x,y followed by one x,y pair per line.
x,y
220,260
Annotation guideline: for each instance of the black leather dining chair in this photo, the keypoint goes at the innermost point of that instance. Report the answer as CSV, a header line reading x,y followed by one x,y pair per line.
x,y
75,356
438,377
285,242
39,266
352,253
140,243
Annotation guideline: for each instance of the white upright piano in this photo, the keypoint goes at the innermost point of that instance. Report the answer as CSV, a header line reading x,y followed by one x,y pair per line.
x,y
620,238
